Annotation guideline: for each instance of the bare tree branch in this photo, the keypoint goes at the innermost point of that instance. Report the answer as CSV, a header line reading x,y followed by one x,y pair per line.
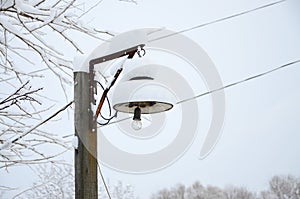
x,y
13,140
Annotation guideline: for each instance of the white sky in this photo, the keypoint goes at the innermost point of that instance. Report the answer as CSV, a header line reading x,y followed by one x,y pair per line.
x,y
261,131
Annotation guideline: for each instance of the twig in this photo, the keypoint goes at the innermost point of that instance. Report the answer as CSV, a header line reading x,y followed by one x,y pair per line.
x,y
11,141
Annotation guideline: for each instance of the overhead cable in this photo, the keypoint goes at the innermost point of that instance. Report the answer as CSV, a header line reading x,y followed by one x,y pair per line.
x,y
218,20
241,81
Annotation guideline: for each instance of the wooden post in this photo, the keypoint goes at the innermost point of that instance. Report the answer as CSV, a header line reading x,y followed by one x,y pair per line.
x,y
86,181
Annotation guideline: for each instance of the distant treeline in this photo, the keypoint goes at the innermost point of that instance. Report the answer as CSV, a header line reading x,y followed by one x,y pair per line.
x,y
280,187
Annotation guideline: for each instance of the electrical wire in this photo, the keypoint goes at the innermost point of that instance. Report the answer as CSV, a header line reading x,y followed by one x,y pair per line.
x,y
115,115
116,121
108,102
241,81
224,87
102,124
218,20
103,180
107,119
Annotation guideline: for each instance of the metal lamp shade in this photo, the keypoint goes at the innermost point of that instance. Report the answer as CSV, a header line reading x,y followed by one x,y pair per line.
x,y
143,92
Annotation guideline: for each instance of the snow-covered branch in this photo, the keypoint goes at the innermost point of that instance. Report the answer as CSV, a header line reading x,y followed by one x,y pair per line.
x,y
34,36
26,25
17,97
57,181
14,146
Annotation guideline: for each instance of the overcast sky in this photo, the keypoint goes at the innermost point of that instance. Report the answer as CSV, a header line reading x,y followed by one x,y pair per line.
x,y
261,131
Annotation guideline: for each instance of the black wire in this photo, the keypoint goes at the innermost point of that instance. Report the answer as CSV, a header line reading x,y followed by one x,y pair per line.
x,y
117,121
103,124
241,81
217,20
109,105
107,119
115,115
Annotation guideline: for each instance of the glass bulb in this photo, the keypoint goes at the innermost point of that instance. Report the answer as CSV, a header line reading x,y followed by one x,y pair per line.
x,y
136,125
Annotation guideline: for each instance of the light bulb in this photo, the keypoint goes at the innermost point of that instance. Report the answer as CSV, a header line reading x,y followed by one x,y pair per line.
x,y
136,124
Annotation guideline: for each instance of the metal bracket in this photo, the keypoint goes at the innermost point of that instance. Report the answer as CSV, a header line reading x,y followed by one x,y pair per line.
x,y
130,52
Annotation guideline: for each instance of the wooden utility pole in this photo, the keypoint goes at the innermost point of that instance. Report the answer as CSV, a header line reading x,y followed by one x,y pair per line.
x,y
86,181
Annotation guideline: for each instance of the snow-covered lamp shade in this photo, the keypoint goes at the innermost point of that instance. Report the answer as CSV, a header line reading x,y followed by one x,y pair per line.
x,y
139,93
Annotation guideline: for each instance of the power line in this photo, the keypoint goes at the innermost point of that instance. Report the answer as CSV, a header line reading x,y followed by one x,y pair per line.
x,y
218,20
103,180
224,87
241,81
